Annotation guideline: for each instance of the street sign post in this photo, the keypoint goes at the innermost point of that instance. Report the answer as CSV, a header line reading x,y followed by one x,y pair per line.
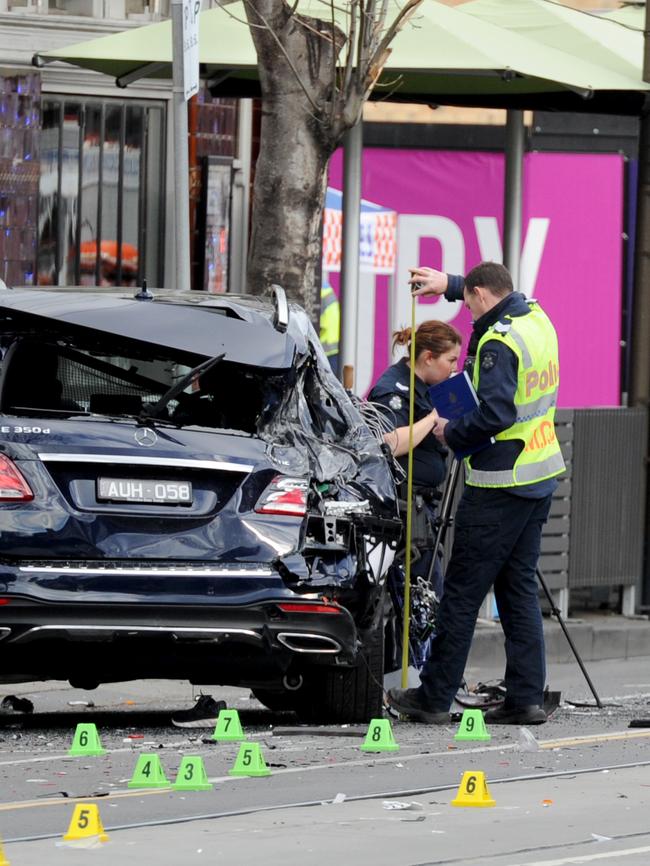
x,y
191,10
185,39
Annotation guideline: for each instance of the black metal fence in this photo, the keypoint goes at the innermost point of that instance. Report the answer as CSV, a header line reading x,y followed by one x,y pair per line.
x,y
596,532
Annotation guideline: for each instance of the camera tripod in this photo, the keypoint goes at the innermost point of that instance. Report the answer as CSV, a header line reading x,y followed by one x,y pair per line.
x,y
445,520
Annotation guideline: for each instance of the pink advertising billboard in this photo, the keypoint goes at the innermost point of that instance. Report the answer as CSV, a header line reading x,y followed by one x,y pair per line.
x,y
449,209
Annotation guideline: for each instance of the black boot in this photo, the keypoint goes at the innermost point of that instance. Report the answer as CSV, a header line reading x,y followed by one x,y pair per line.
x,y
409,703
532,714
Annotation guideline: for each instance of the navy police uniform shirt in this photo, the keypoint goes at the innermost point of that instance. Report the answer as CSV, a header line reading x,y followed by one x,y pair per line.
x,y
392,393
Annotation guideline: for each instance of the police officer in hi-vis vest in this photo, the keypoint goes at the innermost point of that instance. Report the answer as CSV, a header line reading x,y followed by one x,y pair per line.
x,y
509,483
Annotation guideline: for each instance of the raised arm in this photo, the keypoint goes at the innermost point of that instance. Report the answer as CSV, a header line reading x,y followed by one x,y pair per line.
x,y
398,439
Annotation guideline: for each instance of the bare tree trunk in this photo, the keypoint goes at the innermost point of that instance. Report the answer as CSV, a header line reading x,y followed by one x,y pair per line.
x,y
290,177
296,58
309,99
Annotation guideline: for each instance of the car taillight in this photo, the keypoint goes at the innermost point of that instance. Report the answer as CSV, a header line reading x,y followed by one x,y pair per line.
x,y
13,487
4,601
293,607
284,495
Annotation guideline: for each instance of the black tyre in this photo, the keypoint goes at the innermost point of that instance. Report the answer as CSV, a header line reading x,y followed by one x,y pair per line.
x,y
348,695
278,700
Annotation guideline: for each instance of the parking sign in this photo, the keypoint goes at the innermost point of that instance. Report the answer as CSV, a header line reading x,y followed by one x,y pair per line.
x,y
191,10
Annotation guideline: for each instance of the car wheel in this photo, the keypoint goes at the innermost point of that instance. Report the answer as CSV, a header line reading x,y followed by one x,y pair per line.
x,y
349,695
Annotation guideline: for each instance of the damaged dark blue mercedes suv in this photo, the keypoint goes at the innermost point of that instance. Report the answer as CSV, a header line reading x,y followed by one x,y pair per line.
x,y
186,491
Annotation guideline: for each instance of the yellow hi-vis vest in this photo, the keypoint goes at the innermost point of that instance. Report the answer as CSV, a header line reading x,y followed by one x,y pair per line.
x,y
533,340
330,320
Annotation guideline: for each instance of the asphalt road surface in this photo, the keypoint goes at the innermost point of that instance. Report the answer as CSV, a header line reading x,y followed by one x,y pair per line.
x,y
582,796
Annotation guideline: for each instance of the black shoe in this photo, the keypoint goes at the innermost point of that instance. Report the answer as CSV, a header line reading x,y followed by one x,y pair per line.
x,y
12,704
533,714
409,703
202,715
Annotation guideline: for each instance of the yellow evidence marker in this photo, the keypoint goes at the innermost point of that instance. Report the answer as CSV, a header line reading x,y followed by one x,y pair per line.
x,y
473,791
85,824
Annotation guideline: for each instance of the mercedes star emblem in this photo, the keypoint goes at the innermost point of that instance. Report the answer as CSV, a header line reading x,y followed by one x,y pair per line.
x,y
145,436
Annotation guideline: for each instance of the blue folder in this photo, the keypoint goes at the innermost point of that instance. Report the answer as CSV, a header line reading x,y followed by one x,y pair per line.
x,y
453,398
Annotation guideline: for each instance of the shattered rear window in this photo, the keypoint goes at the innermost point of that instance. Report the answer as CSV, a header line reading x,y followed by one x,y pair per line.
x,y
71,377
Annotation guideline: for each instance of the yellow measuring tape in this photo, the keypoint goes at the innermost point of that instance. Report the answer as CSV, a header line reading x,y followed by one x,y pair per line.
x,y
409,509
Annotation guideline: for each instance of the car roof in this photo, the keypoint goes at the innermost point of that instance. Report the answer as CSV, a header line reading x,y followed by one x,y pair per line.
x,y
239,326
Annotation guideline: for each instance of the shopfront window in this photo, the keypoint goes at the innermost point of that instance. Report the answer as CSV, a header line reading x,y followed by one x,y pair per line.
x,y
19,122
101,193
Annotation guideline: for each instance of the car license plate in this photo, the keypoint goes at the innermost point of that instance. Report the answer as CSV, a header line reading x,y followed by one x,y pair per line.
x,y
144,490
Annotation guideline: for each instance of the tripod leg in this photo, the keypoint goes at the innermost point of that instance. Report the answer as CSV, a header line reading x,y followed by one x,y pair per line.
x,y
556,613
445,513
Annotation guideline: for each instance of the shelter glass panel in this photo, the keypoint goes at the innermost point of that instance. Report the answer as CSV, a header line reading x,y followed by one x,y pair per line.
x,y
19,117
102,189
51,130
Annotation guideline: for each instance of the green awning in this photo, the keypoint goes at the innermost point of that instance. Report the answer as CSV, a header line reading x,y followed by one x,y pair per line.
x,y
628,16
588,38
441,54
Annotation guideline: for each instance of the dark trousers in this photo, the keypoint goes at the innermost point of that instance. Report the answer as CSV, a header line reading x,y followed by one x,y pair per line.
x,y
496,543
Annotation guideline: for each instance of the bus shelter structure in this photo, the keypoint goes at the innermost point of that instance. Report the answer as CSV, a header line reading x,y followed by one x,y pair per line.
x,y
514,54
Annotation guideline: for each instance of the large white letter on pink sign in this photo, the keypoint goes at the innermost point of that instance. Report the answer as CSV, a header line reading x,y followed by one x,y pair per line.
x,y
489,242
411,230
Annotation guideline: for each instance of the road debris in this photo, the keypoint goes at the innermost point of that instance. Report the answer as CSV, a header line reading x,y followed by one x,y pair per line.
x,y
306,731
527,742
340,798
414,806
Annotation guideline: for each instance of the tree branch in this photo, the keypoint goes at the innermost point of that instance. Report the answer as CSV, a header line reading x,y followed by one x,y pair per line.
x,y
349,60
382,53
315,108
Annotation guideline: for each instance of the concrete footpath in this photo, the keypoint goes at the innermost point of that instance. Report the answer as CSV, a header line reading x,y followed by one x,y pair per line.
x,y
596,637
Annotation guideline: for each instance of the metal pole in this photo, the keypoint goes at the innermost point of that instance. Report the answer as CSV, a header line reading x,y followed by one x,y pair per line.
x,y
406,613
558,616
240,215
445,518
349,294
646,45
180,156
515,137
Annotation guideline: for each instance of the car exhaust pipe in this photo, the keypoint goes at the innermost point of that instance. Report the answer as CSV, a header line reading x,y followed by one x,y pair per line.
x,y
304,642
292,682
